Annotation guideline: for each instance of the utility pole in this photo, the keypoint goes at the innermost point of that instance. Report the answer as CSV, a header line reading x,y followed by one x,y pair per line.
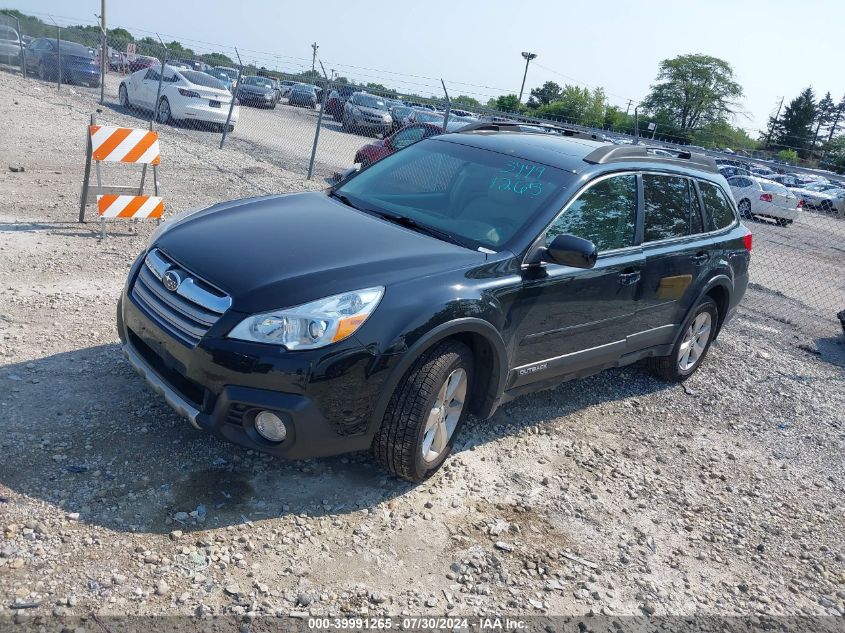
x,y
772,125
628,107
528,57
314,47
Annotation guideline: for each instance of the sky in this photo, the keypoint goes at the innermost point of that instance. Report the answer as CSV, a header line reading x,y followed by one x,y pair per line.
x,y
776,47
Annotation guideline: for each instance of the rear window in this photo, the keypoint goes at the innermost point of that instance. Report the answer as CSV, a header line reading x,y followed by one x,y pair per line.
x,y
202,79
721,211
774,187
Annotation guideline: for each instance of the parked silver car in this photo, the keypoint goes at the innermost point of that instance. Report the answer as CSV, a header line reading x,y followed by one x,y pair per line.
x,y
365,113
10,46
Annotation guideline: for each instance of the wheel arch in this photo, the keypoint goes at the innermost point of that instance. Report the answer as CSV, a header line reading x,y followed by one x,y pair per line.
x,y
488,350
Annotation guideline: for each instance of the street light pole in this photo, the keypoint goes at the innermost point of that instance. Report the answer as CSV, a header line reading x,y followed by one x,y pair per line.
x,y
528,57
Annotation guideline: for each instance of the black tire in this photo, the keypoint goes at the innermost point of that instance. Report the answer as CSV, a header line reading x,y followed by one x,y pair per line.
x,y
42,72
398,444
123,96
783,221
163,116
744,207
231,129
669,367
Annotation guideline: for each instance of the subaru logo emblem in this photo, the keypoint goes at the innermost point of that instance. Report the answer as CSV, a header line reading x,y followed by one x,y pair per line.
x,y
171,280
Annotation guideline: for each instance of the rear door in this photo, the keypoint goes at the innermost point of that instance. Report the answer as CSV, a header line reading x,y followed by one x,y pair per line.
x,y
678,251
566,319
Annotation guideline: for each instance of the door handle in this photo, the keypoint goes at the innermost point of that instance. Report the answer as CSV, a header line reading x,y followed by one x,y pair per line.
x,y
701,258
629,276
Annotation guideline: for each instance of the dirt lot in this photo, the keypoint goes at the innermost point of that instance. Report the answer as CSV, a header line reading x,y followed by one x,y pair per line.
x,y
618,494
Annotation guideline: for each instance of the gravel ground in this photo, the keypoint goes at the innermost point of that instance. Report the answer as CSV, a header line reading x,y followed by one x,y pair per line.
x,y
618,494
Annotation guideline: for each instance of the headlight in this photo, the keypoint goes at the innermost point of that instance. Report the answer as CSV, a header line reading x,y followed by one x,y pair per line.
x,y
165,226
356,111
311,325
387,118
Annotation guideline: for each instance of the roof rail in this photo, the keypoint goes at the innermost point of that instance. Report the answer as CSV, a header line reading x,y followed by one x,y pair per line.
x,y
620,153
493,126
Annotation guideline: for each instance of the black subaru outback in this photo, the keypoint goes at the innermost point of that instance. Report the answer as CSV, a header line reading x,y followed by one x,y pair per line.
x,y
441,281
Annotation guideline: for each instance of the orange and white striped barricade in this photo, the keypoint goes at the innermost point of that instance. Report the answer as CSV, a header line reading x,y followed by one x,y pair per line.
x,y
106,143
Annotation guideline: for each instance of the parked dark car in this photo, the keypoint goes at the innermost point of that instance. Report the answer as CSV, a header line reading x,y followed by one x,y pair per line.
x,y
78,63
10,46
257,91
443,280
303,95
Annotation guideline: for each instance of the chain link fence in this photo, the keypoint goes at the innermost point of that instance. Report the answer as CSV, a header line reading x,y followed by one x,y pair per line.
x,y
305,118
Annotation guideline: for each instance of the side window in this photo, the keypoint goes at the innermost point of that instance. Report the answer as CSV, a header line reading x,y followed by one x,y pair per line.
x,y
152,75
667,207
696,222
719,208
605,214
408,137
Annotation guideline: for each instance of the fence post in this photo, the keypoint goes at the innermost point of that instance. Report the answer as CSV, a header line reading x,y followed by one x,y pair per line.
x,y
234,97
23,53
59,53
326,88
448,106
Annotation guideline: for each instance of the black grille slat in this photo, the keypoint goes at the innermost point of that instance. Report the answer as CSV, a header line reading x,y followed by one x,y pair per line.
x,y
236,414
176,311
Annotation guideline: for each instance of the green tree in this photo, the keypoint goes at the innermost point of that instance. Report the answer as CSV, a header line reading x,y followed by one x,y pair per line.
x,y
579,105
825,112
723,134
508,103
544,95
466,101
692,91
217,59
794,128
121,34
789,155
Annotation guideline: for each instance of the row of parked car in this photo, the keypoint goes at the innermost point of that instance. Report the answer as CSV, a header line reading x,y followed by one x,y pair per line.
x,y
762,192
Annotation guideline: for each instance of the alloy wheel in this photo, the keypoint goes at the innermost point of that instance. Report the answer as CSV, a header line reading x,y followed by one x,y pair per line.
x,y
444,415
694,342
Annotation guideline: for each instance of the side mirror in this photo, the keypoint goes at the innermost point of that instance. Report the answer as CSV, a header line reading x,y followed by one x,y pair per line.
x,y
568,250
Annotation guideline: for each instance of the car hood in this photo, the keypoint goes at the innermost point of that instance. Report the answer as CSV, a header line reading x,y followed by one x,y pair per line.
x,y
285,250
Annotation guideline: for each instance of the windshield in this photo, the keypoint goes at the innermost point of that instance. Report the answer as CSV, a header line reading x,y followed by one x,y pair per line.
x,y
72,48
370,101
302,88
427,117
257,81
202,79
479,196
228,73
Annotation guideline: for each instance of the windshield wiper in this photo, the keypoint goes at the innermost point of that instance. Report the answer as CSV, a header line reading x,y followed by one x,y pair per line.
x,y
411,223
344,199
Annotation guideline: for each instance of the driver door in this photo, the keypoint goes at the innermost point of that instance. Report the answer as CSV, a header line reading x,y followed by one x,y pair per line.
x,y
567,319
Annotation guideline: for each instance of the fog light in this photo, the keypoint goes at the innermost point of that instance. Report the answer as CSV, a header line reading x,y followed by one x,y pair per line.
x,y
270,426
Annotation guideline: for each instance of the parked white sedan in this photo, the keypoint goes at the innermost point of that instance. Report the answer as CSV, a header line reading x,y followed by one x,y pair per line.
x,y
759,197
186,95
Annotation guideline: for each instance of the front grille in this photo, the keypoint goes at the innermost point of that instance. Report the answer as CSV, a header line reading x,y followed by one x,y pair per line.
x,y
193,392
188,310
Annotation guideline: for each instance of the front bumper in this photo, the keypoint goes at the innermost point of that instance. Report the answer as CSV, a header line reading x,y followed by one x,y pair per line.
x,y
326,399
364,124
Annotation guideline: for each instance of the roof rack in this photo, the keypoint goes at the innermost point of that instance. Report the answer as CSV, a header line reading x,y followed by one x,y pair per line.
x,y
620,153
493,126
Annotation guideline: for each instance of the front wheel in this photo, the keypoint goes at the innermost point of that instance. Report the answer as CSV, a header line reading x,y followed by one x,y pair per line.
x,y
745,209
692,345
783,221
123,96
426,412
164,117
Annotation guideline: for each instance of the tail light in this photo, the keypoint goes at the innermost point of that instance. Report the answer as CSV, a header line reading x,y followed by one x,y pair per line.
x,y
189,93
766,197
746,241
801,204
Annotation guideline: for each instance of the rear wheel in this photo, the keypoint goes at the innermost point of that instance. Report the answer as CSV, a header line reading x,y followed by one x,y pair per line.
x,y
164,117
783,221
692,345
426,412
123,96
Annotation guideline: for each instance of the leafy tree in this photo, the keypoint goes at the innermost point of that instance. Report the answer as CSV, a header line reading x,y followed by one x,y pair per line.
x,y
692,91
466,101
789,155
794,128
120,34
825,111
579,105
217,59
723,134
837,120
544,95
509,103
